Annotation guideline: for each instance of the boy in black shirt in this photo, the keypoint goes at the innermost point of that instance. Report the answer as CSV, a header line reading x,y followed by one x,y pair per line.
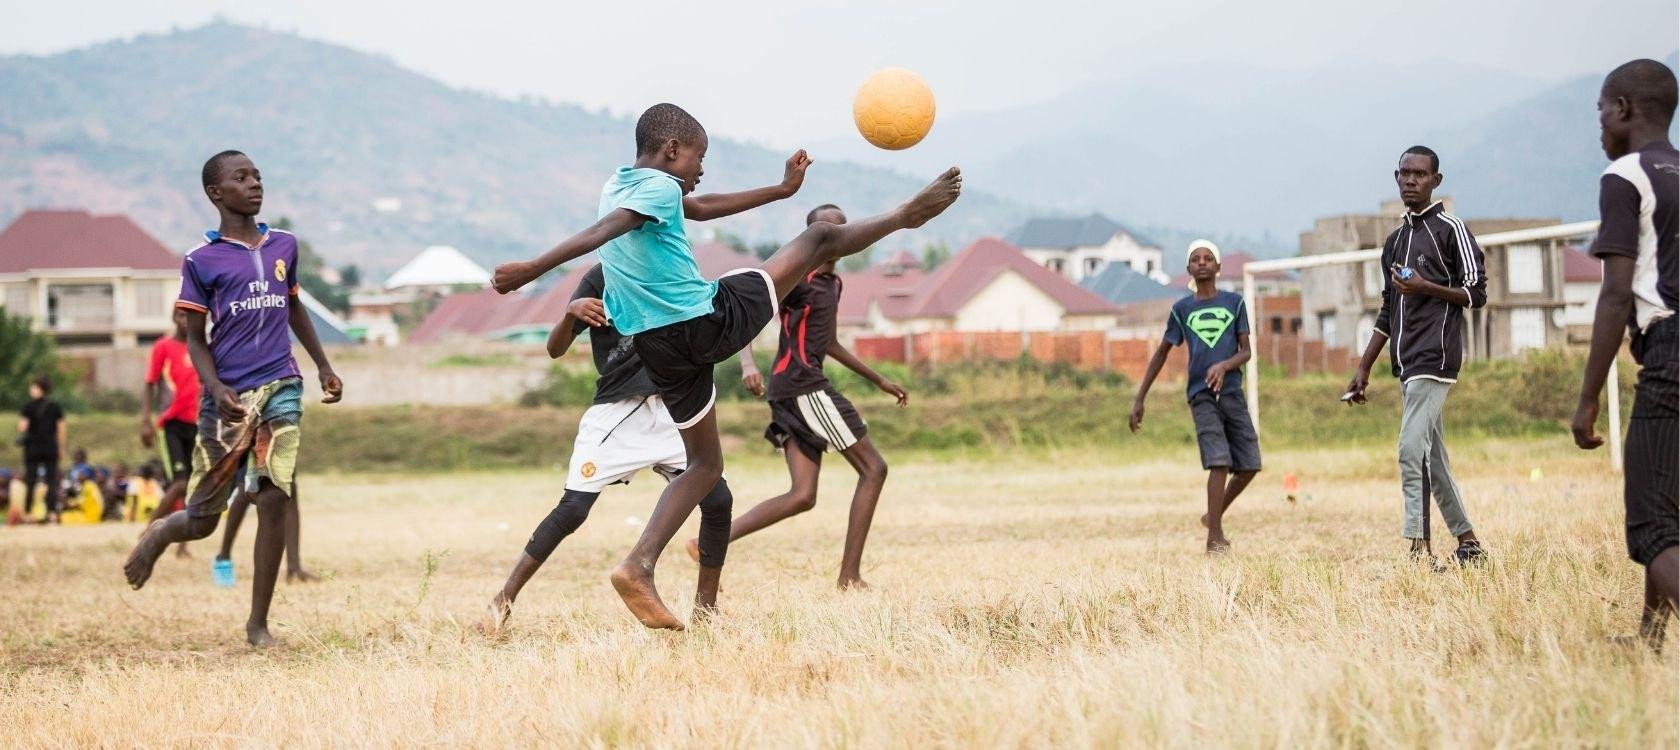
x,y
1636,240
808,416
627,429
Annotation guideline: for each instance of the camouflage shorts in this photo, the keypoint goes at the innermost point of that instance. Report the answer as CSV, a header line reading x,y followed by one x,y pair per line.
x,y
268,436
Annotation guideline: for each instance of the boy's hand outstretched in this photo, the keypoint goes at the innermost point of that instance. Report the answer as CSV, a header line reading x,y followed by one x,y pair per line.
x,y
793,175
332,389
1136,420
510,276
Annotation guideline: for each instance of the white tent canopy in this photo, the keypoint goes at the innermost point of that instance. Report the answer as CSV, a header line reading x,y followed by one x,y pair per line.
x,y
438,265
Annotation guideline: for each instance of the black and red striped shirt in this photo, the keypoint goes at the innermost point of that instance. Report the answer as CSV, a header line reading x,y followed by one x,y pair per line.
x,y
808,323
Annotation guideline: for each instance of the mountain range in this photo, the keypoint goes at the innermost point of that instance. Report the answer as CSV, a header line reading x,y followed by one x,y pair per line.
x,y
372,162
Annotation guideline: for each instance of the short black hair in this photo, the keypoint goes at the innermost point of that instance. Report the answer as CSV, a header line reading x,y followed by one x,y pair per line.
x,y
1649,85
43,383
811,218
1434,160
665,122
213,167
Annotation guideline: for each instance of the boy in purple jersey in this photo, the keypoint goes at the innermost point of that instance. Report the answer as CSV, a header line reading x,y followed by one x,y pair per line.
x,y
244,278
808,416
1639,201
683,324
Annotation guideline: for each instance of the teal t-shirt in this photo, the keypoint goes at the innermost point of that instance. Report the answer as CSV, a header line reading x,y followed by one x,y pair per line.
x,y
652,279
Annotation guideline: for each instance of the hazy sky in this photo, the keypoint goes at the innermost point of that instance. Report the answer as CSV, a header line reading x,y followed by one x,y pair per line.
x,y
783,72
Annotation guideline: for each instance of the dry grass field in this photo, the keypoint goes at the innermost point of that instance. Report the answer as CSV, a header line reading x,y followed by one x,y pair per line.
x,y
1020,600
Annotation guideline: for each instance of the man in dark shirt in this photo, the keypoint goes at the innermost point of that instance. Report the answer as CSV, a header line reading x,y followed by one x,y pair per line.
x,y
1435,272
808,416
625,430
42,434
1636,241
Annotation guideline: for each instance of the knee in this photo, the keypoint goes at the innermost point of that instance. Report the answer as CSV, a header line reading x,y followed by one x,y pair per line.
x,y
804,499
198,528
573,508
720,502
875,470
1413,454
708,469
820,234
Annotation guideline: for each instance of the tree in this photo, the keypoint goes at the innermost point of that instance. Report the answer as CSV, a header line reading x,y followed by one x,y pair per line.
x,y
933,254
350,277
765,249
23,355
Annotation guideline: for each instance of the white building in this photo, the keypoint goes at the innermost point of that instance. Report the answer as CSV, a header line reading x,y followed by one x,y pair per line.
x,y
990,286
1079,247
440,268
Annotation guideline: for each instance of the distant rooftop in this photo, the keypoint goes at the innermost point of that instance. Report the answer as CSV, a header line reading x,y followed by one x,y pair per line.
x,y
1120,284
63,239
1071,232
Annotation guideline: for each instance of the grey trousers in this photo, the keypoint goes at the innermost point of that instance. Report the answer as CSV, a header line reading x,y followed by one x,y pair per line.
x,y
1423,454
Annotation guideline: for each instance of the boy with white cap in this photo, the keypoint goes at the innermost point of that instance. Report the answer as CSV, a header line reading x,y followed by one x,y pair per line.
x,y
1214,325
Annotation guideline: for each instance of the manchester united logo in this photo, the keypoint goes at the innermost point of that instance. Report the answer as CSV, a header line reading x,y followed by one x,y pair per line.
x,y
279,270
588,469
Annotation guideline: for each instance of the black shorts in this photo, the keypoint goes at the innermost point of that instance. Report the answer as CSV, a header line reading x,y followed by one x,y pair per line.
x,y
1650,475
178,440
1224,432
815,422
679,356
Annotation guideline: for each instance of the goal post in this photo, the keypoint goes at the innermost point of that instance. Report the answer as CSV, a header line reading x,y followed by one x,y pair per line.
x,y
1351,257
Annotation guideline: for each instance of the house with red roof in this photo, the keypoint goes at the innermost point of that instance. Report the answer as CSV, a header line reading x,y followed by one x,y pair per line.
x,y
989,286
92,281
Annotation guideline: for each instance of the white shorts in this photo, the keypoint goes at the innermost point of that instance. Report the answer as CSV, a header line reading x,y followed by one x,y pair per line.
x,y
616,441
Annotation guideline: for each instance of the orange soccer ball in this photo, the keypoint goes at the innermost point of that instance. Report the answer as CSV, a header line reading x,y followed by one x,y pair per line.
x,y
893,109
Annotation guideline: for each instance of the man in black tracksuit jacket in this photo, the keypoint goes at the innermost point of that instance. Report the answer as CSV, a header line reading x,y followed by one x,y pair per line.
x,y
1435,271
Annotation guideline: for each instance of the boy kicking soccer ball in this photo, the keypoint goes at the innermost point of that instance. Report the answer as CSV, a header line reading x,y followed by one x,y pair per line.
x,y
1214,324
627,429
683,324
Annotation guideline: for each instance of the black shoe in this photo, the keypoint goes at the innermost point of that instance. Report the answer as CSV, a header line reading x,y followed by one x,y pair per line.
x,y
1470,553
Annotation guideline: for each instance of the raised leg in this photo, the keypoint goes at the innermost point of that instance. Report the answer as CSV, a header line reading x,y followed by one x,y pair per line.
x,y
822,242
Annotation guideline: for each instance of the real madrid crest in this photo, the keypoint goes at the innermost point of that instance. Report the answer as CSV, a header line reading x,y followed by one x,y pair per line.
x,y
279,270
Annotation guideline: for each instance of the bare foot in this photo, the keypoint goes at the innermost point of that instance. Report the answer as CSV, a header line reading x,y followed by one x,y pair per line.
x,y
257,635
934,199
693,548
496,615
301,576
853,583
138,567
635,587
1218,547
